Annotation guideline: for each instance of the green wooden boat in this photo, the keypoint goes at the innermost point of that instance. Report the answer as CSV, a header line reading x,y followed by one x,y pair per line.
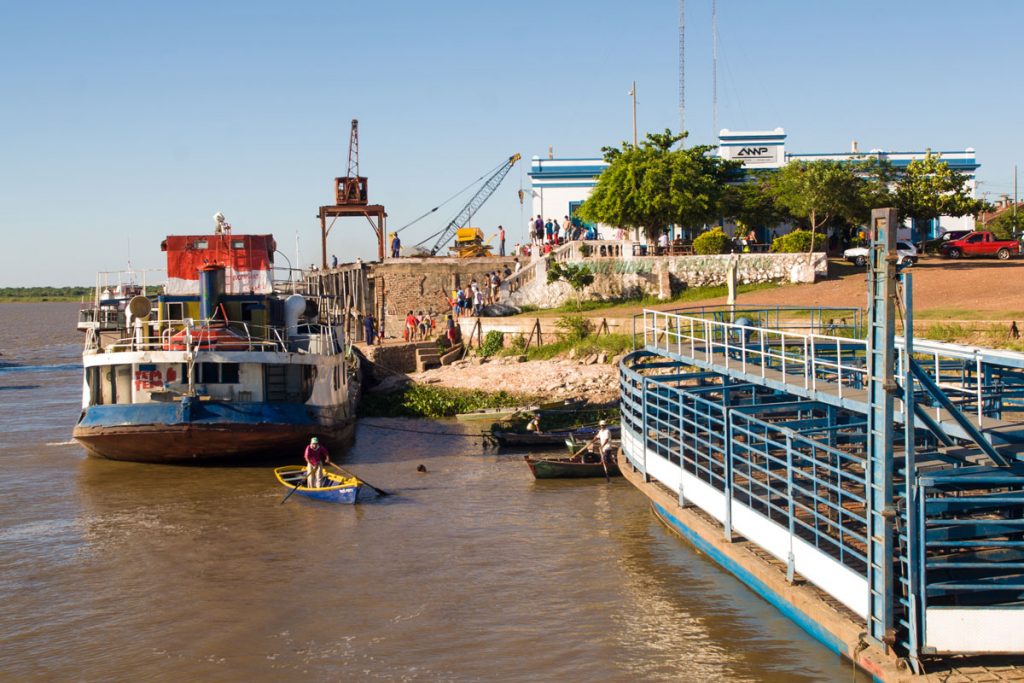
x,y
569,468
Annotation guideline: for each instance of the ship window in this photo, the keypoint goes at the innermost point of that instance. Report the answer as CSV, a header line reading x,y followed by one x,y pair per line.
x,y
218,373
238,244
175,310
200,244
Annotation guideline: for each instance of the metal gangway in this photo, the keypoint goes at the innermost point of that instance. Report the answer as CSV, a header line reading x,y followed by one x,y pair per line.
x,y
885,470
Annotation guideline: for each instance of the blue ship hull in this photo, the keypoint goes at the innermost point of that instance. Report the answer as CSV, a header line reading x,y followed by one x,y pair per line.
x,y
201,431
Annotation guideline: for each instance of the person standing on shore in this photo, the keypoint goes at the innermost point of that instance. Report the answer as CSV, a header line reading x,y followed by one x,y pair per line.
x,y
316,457
411,323
396,245
369,329
501,241
538,231
548,229
604,442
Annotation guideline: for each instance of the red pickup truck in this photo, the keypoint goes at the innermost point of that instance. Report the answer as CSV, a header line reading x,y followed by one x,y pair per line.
x,y
980,244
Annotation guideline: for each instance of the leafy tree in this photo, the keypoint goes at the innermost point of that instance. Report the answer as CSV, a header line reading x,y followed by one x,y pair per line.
x,y
929,188
1002,225
751,205
577,275
652,186
817,192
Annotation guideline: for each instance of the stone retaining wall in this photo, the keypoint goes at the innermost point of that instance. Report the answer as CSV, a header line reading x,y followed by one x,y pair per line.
x,y
664,276
421,284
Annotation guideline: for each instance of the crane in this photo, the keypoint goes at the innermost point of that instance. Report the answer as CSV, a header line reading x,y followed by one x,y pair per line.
x,y
474,204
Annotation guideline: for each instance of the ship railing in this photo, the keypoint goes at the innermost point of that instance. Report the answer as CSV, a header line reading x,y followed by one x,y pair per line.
x,y
154,335
828,364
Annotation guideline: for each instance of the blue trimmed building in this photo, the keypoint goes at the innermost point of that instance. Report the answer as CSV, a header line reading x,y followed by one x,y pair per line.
x,y
560,185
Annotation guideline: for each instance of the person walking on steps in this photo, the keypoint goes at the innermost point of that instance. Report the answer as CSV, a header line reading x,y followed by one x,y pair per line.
x,y
316,457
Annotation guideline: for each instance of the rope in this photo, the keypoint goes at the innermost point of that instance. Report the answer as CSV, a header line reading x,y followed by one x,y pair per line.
x,y
414,221
470,435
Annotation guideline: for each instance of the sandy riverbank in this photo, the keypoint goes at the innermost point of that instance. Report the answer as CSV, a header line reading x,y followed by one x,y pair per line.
x,y
554,379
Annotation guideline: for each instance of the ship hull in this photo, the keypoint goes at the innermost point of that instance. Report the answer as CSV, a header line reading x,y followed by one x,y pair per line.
x,y
220,432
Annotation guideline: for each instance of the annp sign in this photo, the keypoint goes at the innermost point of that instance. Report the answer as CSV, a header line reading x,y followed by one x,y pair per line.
x,y
757,148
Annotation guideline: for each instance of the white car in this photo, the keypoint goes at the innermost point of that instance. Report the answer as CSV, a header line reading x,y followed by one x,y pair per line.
x,y
905,253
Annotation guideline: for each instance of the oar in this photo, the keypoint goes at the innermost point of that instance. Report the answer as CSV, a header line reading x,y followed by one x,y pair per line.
x,y
380,492
295,487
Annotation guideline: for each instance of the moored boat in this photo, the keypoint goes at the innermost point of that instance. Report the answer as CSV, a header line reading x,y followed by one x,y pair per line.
x,y
575,467
218,362
553,439
340,489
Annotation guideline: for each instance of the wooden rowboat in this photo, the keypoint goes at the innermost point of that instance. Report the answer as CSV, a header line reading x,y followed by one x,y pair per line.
x,y
340,489
568,468
553,439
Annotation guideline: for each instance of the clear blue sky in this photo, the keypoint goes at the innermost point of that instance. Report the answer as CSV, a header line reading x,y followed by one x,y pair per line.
x,y
124,121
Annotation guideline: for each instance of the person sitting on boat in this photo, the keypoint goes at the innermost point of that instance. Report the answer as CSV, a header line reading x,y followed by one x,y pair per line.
x,y
316,457
534,424
604,441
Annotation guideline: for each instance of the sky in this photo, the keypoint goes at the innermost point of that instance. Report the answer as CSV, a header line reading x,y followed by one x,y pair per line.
x,y
123,122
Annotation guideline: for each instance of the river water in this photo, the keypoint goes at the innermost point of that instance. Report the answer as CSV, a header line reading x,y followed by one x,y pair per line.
x,y
472,571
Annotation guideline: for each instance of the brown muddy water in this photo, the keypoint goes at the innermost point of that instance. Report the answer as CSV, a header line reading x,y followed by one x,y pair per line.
x,y
470,572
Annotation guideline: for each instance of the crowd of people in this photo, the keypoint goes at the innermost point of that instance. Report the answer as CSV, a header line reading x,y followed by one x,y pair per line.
x,y
549,233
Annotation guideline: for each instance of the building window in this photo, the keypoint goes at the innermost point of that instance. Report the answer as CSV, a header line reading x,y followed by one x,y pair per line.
x,y
218,373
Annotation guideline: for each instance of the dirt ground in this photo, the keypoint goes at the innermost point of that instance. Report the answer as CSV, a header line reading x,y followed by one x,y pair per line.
x,y
553,379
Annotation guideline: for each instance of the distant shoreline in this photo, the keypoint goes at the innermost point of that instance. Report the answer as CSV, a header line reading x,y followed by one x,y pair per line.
x,y
40,299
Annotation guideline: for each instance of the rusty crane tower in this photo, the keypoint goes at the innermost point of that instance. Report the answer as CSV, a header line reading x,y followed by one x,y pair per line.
x,y
351,199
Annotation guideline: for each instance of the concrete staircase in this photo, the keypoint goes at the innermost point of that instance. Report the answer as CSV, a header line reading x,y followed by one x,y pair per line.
x,y
427,356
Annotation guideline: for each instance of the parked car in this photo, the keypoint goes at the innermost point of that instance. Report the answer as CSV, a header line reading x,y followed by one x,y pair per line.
x,y
906,252
980,243
932,246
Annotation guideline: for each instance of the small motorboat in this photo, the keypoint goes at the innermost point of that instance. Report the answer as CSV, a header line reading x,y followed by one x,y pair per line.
x,y
337,488
576,467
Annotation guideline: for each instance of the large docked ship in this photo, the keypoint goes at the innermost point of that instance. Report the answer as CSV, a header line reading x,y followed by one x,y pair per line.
x,y
218,363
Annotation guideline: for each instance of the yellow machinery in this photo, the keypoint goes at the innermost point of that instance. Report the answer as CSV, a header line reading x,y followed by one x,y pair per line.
x,y
469,242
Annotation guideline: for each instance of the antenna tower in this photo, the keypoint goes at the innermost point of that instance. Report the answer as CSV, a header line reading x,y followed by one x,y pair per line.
x,y
714,69
682,65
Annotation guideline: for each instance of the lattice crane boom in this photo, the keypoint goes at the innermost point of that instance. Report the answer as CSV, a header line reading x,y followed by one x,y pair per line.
x,y
475,202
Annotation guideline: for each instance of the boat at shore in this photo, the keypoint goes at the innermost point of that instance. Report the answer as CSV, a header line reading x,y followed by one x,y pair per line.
x,y
217,363
339,488
554,439
576,467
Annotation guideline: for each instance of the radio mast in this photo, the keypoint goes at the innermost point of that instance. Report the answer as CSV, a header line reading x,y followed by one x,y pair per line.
x,y
682,67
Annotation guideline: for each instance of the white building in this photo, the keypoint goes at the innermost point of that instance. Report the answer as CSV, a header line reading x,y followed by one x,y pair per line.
x,y
560,185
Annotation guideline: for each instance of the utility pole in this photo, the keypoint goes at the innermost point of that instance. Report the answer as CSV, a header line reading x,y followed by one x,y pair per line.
x,y
1014,217
632,93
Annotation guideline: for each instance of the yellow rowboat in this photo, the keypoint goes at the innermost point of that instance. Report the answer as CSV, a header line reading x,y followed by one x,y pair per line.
x,y
338,489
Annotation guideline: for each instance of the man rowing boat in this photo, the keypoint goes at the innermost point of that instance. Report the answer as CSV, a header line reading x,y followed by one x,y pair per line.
x,y
316,457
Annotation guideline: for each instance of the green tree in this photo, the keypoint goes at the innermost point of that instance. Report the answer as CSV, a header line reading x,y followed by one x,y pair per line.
x,y
817,192
929,188
751,205
1003,225
652,186
577,275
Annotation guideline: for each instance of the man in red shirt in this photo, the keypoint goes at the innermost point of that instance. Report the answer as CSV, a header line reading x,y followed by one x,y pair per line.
x,y
316,457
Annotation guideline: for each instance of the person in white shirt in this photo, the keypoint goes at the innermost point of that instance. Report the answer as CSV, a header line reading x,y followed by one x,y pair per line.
x,y
604,441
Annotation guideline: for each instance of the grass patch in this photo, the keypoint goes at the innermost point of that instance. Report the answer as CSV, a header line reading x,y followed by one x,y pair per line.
x,y
689,294
420,400
966,314
992,336
612,344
